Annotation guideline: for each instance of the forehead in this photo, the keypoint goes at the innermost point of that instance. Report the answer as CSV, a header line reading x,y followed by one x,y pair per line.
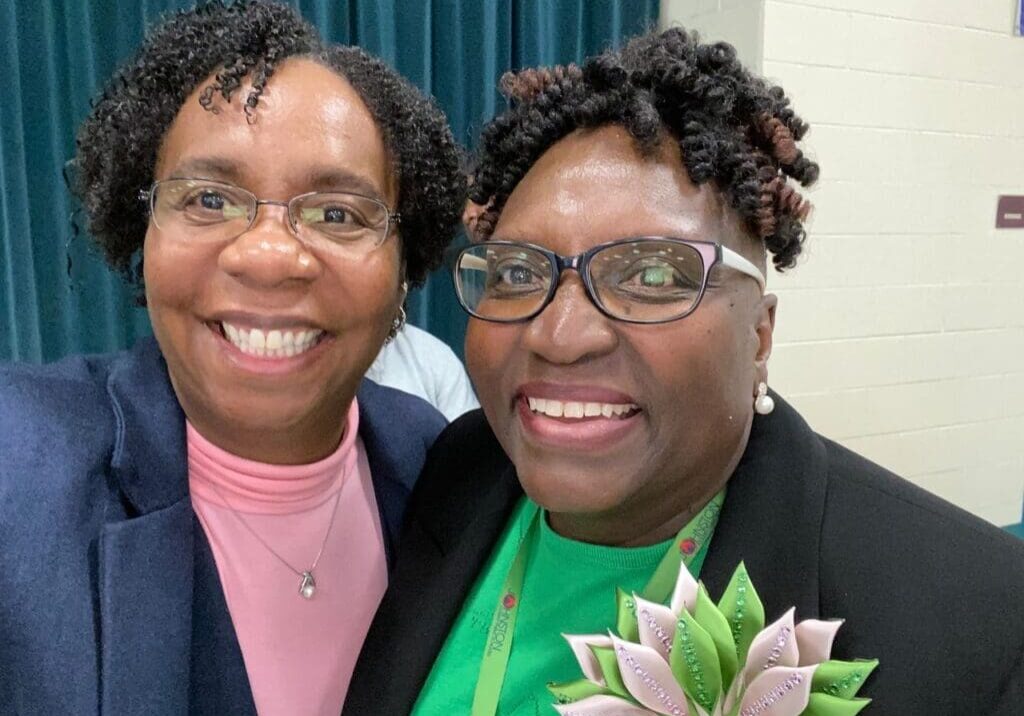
x,y
595,186
309,124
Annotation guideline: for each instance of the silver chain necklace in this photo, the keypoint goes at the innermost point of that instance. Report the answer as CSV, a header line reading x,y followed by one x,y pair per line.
x,y
307,583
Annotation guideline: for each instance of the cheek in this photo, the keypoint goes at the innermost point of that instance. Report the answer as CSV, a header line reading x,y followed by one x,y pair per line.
x,y
479,352
697,370
490,349
360,290
173,277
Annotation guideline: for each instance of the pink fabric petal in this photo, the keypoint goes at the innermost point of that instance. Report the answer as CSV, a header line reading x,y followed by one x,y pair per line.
x,y
814,640
733,694
775,645
656,624
601,706
580,645
684,596
649,679
779,691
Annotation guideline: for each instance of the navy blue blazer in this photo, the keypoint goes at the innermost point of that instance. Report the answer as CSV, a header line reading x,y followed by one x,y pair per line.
x,y
110,602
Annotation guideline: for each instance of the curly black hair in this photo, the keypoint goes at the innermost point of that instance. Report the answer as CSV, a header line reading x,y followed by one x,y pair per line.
x,y
118,142
733,128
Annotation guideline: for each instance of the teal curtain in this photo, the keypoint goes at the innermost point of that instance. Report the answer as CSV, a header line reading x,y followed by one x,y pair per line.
x,y
57,296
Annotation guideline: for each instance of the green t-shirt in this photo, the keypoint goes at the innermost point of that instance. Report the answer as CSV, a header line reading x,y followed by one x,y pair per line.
x,y
568,588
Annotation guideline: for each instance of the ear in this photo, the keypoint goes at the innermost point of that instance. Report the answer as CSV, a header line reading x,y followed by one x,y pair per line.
x,y
764,327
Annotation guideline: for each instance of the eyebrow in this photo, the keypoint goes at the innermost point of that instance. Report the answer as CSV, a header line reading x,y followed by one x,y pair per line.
x,y
337,179
212,167
317,178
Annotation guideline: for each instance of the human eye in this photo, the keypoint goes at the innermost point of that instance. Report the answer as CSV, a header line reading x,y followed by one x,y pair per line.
x,y
207,203
340,218
337,215
515,275
656,279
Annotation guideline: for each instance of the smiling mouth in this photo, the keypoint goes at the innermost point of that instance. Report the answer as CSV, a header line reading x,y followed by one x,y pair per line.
x,y
575,410
276,343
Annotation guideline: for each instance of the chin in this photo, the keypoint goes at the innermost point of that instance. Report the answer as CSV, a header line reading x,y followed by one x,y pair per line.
x,y
261,413
573,492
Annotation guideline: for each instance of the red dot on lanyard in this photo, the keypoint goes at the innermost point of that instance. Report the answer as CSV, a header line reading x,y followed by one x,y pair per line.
x,y
687,546
509,600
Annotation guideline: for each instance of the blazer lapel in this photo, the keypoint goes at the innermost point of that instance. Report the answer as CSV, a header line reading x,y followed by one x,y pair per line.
x,y
145,565
145,573
772,516
219,683
395,457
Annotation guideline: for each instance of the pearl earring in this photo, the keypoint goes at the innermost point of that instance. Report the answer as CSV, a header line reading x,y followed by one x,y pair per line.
x,y
763,403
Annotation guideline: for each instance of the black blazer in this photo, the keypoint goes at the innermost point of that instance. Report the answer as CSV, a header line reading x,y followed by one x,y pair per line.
x,y
933,592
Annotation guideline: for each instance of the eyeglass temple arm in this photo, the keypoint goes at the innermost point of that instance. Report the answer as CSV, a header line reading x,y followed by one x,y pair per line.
x,y
735,261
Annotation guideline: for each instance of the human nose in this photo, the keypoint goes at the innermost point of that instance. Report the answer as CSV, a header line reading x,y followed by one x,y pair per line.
x,y
268,253
570,328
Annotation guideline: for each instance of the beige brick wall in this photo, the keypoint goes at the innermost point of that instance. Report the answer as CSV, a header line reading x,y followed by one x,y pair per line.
x,y
741,22
901,333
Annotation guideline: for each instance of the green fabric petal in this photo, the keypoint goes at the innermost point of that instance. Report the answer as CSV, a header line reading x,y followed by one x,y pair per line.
x,y
694,662
610,670
825,705
741,606
569,692
842,679
714,623
625,620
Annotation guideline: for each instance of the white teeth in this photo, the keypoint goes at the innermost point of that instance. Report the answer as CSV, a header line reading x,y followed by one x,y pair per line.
x,y
257,340
538,405
272,344
575,410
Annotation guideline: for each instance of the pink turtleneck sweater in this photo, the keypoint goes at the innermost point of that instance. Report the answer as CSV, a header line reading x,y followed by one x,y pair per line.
x,y
299,654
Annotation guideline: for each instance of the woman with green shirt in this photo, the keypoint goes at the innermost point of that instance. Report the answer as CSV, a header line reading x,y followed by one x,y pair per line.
x,y
619,345
567,585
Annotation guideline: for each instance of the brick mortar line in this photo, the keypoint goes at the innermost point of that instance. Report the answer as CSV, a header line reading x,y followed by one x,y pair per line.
x,y
914,130
935,428
917,21
926,382
884,73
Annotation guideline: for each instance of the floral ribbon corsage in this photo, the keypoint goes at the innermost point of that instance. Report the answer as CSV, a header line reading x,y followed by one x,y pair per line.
x,y
693,658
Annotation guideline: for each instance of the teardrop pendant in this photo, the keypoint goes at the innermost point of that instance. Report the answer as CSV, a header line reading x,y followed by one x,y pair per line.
x,y
307,587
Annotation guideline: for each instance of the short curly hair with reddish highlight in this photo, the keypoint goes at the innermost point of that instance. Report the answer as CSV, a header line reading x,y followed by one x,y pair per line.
x,y
733,128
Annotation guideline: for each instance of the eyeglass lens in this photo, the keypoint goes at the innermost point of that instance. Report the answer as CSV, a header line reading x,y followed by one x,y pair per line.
x,y
210,210
646,280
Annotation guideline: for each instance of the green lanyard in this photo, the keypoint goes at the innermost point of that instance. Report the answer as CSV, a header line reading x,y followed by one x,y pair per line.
x,y
689,548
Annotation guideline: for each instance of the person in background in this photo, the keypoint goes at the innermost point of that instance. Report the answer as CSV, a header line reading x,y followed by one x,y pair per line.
x,y
419,363
619,344
203,524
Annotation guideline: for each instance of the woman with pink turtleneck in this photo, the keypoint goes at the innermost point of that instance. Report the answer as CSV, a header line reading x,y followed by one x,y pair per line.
x,y
203,524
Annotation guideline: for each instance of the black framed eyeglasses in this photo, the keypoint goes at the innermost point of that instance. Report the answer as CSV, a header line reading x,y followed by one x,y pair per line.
x,y
647,279
208,210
